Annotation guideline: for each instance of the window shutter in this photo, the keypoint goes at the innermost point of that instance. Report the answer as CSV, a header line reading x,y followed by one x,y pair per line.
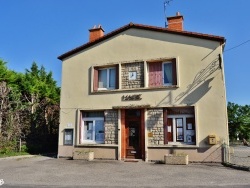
x,y
174,74
117,77
165,118
95,81
155,74
170,134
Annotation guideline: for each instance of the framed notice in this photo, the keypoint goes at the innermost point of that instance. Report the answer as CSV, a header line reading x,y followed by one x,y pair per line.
x,y
169,129
189,126
68,137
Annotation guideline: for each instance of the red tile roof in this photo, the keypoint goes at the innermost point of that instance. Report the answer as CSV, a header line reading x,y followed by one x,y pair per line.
x,y
143,27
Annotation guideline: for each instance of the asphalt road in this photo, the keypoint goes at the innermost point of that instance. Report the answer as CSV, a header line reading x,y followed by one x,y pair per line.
x,y
42,171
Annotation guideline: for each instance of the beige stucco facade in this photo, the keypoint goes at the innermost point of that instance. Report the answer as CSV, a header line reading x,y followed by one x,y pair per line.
x,y
200,85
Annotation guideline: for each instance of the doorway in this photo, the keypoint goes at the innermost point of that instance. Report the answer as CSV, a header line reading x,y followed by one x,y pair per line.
x,y
133,126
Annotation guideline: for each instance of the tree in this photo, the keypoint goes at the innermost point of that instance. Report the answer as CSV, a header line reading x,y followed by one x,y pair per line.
x,y
10,107
42,96
29,105
238,121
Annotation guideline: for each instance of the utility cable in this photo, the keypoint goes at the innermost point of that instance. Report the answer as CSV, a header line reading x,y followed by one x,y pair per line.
x,y
237,46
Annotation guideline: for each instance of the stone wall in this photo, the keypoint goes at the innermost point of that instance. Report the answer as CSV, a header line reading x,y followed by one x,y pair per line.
x,y
111,126
155,126
132,67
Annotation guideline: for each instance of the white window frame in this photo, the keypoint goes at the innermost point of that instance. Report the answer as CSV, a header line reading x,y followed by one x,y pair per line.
x,y
183,116
107,79
92,141
163,83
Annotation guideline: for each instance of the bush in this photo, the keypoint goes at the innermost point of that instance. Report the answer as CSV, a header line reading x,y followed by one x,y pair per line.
x,y
24,148
7,146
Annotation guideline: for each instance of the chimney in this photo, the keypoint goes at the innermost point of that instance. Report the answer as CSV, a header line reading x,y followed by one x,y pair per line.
x,y
176,22
95,33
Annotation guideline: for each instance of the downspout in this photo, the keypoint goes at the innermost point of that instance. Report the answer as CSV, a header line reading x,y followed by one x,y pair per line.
x,y
224,84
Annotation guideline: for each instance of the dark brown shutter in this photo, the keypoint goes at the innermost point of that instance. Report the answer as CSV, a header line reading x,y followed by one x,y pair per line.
x,y
170,134
165,122
117,77
155,74
174,73
95,79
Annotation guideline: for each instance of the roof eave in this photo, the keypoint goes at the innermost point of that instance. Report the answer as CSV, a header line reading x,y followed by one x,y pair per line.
x,y
220,39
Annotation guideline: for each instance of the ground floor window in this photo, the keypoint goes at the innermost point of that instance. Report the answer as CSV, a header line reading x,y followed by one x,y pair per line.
x,y
92,128
179,125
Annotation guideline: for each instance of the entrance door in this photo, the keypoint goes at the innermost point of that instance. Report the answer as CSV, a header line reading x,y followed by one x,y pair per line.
x,y
133,138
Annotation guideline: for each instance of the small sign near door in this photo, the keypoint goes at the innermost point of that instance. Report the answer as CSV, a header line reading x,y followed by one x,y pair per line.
x,y
150,134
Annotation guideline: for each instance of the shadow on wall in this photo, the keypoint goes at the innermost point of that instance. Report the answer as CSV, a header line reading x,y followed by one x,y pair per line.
x,y
166,100
197,89
198,93
200,77
215,155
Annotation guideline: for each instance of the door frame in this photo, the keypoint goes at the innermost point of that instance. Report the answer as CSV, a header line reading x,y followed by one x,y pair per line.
x,y
142,134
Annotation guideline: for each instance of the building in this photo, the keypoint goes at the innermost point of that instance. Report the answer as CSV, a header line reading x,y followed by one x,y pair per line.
x,y
144,91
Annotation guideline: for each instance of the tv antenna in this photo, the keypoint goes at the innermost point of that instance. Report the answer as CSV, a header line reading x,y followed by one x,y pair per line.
x,y
166,2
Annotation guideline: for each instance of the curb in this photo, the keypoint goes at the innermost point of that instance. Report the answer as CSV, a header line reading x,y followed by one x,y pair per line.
x,y
18,157
237,167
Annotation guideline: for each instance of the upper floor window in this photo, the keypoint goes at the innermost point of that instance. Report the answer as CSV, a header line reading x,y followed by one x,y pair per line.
x,y
162,73
105,78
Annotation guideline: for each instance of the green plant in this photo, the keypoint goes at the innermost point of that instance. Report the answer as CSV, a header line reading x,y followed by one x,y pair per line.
x,y
24,148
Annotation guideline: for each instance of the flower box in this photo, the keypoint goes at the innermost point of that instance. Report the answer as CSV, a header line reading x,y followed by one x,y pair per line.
x,y
176,159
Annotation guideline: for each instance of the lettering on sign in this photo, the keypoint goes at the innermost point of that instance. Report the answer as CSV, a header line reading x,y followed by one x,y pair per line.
x,y
136,97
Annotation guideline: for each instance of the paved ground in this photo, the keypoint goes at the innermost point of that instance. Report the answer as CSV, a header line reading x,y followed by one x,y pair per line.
x,y
240,155
50,172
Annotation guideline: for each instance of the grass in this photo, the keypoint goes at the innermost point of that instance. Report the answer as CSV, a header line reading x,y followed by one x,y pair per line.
x,y
9,154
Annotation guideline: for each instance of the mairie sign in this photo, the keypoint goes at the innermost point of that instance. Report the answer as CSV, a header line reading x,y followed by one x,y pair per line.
x,y
135,97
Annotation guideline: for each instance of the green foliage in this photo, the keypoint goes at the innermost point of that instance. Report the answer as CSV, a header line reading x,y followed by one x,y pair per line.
x,y
238,121
24,148
39,84
29,109
12,153
7,146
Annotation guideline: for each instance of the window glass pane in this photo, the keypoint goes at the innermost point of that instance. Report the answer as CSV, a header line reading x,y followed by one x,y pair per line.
x,y
102,78
179,134
88,130
112,73
167,73
179,122
99,130
93,130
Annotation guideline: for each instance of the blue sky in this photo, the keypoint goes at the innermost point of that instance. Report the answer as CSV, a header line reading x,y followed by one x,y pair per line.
x,y
41,30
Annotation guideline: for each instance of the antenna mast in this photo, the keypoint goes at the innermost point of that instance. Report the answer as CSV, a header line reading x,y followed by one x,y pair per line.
x,y
166,2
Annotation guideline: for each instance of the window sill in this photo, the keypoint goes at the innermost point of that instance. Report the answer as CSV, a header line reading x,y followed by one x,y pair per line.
x,y
135,89
105,89
97,145
173,146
